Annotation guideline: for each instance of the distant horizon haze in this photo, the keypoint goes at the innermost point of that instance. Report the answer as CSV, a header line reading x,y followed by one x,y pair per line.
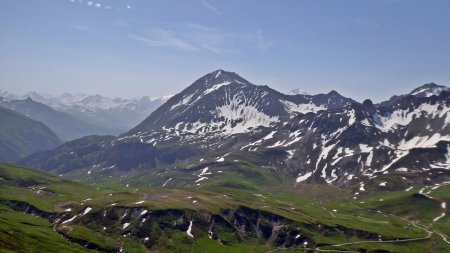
x,y
128,48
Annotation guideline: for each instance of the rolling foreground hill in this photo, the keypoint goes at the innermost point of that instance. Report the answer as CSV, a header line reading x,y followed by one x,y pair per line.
x,y
20,136
44,213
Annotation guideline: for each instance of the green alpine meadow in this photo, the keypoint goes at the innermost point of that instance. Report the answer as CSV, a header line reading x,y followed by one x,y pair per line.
x,y
42,212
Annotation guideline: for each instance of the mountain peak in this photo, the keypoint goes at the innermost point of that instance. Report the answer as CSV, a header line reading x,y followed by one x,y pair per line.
x,y
428,90
222,76
223,102
215,80
218,73
334,93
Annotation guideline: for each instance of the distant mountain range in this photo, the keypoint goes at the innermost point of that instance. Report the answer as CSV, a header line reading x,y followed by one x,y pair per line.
x,y
74,116
66,126
224,119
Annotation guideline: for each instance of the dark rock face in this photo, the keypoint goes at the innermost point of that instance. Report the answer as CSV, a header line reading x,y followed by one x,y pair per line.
x,y
239,224
123,156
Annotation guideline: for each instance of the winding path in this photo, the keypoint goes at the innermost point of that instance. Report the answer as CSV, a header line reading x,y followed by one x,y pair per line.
x,y
429,232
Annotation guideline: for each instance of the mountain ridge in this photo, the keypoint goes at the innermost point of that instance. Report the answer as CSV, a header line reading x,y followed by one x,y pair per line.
x,y
227,93
108,115
222,117
21,136
66,126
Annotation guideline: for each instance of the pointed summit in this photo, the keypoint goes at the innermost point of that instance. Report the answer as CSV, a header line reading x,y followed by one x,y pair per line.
x,y
220,101
223,102
221,76
334,93
218,73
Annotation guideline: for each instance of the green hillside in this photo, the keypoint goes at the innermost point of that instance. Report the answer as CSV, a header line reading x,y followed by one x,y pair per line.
x,y
39,210
21,136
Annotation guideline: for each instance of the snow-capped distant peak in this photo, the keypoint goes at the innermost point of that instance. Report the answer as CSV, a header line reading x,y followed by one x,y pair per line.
x,y
163,98
87,103
428,90
302,108
4,93
297,91
222,76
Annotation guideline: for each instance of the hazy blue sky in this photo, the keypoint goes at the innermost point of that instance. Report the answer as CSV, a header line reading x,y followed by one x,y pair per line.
x,y
361,48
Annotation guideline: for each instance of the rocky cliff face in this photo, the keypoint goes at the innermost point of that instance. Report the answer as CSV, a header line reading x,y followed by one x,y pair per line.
x,y
229,226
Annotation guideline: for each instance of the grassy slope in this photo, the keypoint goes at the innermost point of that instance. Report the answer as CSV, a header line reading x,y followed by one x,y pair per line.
x,y
28,233
309,204
21,136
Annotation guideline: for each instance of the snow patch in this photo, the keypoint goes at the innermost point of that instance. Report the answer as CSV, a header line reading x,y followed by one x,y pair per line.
x,y
361,187
301,108
204,172
86,211
218,73
186,99
215,87
69,220
439,217
188,232
399,117
166,182
201,179
304,177
241,117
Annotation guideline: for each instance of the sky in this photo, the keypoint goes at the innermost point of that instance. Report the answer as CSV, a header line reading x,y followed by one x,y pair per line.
x,y
127,48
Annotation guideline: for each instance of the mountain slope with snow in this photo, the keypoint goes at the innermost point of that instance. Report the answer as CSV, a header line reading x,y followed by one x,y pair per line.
x,y
223,118
224,102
